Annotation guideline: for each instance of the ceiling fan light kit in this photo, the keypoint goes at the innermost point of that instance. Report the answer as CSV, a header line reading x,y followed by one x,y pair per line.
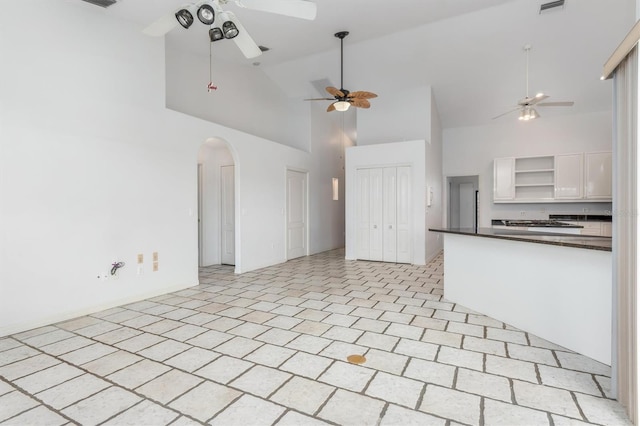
x,y
215,34
341,105
227,25
184,17
229,29
206,15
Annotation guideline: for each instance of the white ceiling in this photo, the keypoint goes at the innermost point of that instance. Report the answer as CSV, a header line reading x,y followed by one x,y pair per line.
x,y
469,51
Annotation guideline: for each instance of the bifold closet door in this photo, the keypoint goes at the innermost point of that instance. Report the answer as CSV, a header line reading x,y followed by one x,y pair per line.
x,y
389,214
403,214
369,214
383,214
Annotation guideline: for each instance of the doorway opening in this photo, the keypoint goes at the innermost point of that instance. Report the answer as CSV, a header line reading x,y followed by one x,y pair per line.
x,y
216,204
463,196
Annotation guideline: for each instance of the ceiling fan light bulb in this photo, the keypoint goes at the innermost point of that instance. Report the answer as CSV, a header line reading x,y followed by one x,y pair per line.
x,y
229,29
184,17
534,113
215,34
539,95
341,105
206,15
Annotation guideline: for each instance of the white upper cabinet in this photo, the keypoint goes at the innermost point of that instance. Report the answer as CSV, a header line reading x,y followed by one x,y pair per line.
x,y
503,179
598,175
553,178
569,173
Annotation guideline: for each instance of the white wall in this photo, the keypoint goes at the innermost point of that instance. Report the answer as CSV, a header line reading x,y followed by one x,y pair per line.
x,y
246,99
471,150
93,169
433,151
397,115
331,134
212,155
410,153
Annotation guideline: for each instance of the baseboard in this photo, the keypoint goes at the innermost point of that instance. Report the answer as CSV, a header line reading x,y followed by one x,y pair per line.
x,y
65,316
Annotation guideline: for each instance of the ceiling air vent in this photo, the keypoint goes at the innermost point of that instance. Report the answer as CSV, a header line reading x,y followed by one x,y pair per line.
x,y
551,6
102,3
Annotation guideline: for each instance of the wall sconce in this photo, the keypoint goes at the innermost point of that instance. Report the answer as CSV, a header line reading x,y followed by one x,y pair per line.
x,y
334,184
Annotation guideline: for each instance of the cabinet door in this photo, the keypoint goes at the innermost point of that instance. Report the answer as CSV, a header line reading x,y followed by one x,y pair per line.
x,y
503,179
569,176
598,175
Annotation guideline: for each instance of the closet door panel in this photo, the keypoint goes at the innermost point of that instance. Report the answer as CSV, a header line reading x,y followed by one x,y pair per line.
x,y
389,214
403,215
363,214
376,203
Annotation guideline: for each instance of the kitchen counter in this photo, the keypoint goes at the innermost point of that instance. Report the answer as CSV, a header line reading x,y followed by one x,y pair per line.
x,y
578,241
555,286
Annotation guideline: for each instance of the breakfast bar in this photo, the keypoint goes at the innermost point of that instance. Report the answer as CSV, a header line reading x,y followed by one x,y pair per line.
x,y
555,286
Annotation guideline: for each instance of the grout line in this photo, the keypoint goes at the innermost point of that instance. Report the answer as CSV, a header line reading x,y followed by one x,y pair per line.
x,y
575,400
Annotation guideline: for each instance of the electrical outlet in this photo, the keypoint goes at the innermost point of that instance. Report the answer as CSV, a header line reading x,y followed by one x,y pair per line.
x,y
523,213
140,258
102,276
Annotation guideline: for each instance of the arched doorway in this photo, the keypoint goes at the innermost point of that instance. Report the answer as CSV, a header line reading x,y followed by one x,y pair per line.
x,y
217,219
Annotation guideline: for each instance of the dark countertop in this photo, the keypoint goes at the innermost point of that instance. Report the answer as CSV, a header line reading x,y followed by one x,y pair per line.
x,y
582,217
534,223
566,240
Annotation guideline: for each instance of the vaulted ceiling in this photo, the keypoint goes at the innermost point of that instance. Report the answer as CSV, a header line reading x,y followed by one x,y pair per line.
x,y
469,51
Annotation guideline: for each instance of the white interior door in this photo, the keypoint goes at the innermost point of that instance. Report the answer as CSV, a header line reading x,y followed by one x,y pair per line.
x,y
403,215
296,214
389,208
228,218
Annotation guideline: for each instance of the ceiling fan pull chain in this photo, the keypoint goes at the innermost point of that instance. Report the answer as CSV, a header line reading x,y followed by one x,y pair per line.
x,y
210,86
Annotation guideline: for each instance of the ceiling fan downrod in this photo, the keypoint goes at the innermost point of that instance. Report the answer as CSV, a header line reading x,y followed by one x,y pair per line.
x,y
341,35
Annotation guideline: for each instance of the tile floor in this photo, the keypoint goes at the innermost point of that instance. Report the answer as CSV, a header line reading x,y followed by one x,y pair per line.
x,y
270,347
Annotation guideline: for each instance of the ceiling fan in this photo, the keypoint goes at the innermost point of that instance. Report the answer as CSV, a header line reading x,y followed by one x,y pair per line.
x,y
224,24
526,104
342,98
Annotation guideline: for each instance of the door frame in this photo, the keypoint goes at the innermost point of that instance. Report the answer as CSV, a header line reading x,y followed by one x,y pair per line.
x,y
222,216
285,210
446,206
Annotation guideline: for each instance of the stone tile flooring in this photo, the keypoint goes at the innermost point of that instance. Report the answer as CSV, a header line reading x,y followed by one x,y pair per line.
x,y
271,347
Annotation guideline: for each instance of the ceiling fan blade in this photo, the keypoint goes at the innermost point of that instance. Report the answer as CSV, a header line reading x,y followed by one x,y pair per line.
x,y
243,40
360,103
295,8
546,104
334,92
508,112
331,107
362,95
319,99
162,25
